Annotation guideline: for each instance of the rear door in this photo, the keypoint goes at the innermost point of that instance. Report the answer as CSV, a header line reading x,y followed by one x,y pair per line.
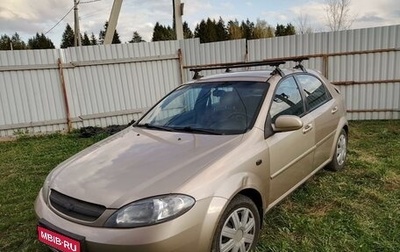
x,y
291,153
324,110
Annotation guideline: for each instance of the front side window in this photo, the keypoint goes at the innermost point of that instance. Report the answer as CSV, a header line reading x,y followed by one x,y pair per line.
x,y
287,100
314,91
215,107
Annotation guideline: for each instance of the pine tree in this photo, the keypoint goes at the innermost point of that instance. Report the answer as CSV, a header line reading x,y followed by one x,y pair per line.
x,y
247,29
161,33
222,33
136,38
102,35
187,33
40,41
5,42
282,30
200,31
85,40
67,37
211,31
290,29
15,42
93,40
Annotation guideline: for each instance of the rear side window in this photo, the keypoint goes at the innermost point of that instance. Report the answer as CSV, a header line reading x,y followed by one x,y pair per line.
x,y
314,91
287,100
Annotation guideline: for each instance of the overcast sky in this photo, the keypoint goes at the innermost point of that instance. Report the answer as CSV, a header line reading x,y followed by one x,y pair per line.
x,y
30,16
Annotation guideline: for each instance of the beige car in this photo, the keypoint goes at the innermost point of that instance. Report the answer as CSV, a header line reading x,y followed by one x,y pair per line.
x,y
200,169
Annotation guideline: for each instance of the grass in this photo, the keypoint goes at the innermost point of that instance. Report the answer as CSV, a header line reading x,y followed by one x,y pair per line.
x,y
357,209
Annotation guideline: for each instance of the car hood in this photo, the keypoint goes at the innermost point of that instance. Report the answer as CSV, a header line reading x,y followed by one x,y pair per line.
x,y
138,163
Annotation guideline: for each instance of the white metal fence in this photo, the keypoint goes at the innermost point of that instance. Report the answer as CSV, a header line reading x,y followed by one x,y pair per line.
x,y
60,89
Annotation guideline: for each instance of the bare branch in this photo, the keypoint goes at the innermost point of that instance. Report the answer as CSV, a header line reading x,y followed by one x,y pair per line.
x,y
338,14
302,24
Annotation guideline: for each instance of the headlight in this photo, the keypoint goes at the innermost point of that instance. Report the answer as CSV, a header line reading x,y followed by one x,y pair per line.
x,y
150,211
45,189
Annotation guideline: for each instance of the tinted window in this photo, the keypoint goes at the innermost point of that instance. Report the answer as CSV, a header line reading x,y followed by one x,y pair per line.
x,y
314,91
287,100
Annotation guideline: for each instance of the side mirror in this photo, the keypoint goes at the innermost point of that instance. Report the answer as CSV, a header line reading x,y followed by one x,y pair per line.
x,y
287,123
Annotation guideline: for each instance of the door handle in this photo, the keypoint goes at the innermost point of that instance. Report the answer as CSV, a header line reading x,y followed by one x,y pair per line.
x,y
307,128
334,110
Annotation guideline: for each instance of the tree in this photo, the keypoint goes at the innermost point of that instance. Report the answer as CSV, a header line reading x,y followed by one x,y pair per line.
x,y
136,38
262,30
205,31
67,37
161,33
102,35
14,43
211,31
5,42
40,41
93,40
303,25
187,33
290,29
85,40
338,14
282,30
222,33
200,31
247,29
234,30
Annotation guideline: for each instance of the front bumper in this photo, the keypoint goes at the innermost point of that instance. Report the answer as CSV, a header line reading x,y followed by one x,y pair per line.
x,y
193,231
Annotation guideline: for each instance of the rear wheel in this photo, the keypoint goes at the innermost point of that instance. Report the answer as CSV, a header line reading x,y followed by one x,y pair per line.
x,y
238,228
340,155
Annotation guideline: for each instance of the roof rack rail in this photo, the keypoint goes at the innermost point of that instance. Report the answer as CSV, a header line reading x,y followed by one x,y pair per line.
x,y
272,62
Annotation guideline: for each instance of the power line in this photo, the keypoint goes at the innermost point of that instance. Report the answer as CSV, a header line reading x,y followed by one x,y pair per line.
x,y
93,13
92,1
59,21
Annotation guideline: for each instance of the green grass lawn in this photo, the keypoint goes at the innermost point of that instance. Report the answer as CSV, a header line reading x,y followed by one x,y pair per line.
x,y
357,209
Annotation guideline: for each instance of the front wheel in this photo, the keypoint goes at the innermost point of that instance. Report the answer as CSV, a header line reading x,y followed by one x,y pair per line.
x,y
238,228
340,155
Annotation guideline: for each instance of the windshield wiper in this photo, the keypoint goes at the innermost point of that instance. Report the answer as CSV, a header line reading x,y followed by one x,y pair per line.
x,y
198,130
152,126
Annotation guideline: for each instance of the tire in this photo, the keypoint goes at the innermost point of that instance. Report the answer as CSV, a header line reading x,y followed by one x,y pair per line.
x,y
339,158
239,227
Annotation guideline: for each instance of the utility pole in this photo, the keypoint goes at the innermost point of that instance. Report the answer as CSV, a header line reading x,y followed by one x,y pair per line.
x,y
77,38
178,12
112,22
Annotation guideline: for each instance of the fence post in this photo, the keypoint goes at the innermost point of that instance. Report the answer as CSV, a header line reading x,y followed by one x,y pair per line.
x,y
325,65
180,59
64,90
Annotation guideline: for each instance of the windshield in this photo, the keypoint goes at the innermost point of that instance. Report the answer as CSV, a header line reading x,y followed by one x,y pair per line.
x,y
209,108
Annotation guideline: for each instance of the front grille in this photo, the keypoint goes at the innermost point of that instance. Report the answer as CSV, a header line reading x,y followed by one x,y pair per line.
x,y
75,208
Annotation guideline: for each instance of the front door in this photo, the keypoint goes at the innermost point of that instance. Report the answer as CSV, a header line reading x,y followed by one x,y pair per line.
x,y
291,153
